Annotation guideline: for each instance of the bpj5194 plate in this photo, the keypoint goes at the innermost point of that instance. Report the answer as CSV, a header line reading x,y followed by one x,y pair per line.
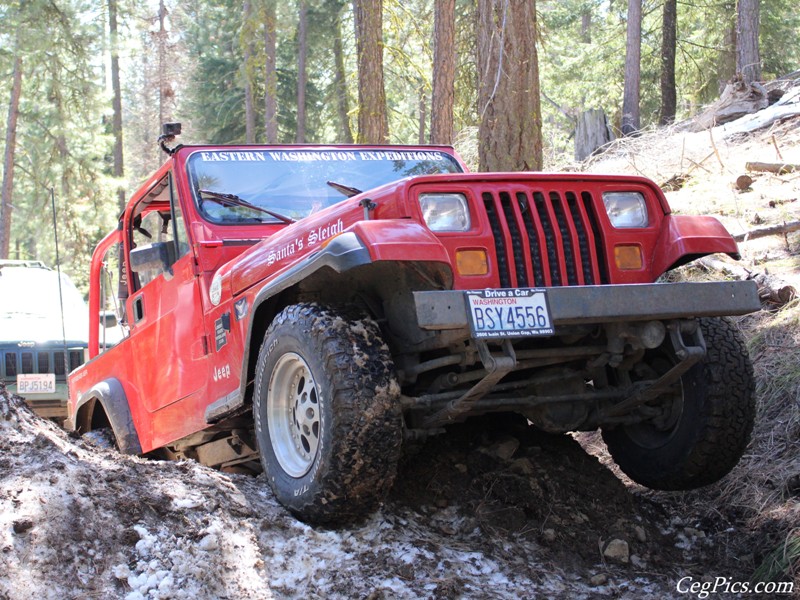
x,y
36,383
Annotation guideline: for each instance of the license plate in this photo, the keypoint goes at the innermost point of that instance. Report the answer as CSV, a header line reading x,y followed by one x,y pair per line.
x,y
521,312
36,383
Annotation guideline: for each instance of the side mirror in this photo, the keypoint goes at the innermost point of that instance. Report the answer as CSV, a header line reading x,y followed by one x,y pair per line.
x,y
108,319
157,257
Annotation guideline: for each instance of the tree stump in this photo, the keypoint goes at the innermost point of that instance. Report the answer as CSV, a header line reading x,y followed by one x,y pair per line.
x,y
591,132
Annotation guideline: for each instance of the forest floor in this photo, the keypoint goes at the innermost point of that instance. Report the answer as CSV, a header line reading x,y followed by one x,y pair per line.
x,y
480,513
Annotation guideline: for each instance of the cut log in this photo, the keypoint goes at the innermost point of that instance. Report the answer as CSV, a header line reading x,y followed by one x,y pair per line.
x,y
765,231
774,290
743,182
771,289
779,168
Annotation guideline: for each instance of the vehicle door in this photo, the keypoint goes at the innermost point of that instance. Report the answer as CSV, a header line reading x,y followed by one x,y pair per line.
x,y
164,310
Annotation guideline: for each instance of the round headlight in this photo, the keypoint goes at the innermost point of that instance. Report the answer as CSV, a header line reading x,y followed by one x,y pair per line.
x,y
445,212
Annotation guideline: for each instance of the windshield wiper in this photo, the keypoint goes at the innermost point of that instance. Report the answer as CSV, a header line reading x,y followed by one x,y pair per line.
x,y
345,189
224,199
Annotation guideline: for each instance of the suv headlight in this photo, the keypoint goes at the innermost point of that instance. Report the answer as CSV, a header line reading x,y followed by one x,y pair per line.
x,y
626,210
445,212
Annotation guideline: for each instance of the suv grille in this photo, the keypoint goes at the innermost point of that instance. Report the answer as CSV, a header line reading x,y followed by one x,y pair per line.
x,y
42,361
545,238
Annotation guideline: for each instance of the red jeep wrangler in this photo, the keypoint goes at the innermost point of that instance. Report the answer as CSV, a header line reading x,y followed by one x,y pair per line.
x,y
317,305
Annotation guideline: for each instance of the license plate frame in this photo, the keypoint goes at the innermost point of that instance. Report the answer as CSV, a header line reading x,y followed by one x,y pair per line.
x,y
509,313
36,383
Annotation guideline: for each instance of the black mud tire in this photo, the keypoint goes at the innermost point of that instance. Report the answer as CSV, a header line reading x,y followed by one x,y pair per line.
x,y
712,429
351,422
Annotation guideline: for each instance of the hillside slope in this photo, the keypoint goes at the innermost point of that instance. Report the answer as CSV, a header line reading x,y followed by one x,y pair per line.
x,y
481,513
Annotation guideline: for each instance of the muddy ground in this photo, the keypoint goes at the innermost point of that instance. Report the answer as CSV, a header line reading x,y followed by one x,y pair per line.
x,y
503,512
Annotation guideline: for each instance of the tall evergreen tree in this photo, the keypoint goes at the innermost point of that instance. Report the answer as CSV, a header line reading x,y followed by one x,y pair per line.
x,y
302,74
669,27
270,73
340,75
116,101
633,57
373,127
444,72
748,58
510,134
247,49
6,206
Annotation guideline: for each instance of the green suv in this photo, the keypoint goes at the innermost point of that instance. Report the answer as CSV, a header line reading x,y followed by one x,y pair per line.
x,y
43,334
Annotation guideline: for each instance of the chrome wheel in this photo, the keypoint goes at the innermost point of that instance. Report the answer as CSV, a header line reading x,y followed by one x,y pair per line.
x,y
293,415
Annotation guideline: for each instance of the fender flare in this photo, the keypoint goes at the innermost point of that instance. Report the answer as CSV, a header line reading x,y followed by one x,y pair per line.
x,y
687,237
111,396
344,252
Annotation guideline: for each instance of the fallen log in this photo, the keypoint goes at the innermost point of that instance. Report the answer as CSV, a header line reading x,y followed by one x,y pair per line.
x,y
771,289
787,107
737,100
779,168
765,231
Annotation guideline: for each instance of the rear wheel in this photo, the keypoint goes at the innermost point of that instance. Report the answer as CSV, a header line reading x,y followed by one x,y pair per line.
x,y
327,413
713,410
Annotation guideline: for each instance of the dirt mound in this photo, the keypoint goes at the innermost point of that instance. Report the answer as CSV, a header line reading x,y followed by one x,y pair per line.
x,y
502,512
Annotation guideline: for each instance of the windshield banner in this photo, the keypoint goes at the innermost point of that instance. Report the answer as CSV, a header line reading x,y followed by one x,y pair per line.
x,y
315,155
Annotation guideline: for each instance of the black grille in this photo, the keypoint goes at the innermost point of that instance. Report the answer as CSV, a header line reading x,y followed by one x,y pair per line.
x,y
553,235
16,362
60,364
11,365
75,359
499,241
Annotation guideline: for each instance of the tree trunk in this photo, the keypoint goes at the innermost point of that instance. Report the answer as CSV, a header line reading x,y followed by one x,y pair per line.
x,y
372,117
340,84
423,105
270,75
727,54
302,74
669,29
633,56
444,72
6,207
247,48
748,61
116,102
586,25
510,132
162,62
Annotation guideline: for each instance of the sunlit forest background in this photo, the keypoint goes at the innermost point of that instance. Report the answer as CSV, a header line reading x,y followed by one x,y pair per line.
x,y
208,64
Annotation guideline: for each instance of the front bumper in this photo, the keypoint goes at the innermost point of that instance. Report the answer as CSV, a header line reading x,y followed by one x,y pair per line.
x,y
586,305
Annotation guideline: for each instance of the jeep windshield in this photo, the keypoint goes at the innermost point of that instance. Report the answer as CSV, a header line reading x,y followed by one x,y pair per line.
x,y
294,183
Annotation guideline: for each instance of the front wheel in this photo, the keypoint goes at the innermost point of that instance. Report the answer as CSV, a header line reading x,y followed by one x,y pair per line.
x,y
714,407
327,413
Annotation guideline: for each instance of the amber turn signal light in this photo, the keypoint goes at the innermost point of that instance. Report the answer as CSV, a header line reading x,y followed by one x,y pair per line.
x,y
472,262
628,258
